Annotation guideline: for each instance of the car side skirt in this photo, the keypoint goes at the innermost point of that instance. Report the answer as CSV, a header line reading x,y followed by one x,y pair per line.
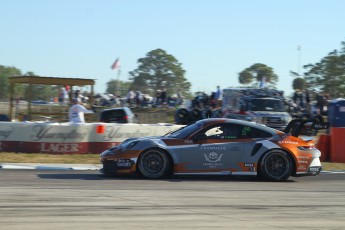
x,y
218,173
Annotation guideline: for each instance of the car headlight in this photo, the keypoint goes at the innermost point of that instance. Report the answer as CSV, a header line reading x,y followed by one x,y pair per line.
x,y
128,145
107,152
259,120
286,119
305,148
248,118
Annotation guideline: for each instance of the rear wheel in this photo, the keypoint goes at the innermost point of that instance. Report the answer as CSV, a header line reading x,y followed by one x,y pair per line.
x,y
276,165
154,163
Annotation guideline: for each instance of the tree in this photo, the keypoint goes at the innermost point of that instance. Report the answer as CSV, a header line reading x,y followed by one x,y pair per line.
x,y
260,73
299,83
328,75
157,71
112,86
6,72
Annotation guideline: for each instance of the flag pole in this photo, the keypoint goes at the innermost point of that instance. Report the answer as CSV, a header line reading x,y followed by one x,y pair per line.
x,y
118,81
117,65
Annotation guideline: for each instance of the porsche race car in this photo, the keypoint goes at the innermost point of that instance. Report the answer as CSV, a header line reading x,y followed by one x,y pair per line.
x,y
219,146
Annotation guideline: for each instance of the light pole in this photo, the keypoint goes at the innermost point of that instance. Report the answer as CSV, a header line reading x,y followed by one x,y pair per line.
x,y
299,48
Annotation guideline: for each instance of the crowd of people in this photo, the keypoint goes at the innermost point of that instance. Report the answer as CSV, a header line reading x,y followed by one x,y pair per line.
x,y
203,100
302,101
310,102
160,99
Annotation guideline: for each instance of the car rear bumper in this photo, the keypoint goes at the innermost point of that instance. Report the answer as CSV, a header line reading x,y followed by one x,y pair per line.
x,y
314,168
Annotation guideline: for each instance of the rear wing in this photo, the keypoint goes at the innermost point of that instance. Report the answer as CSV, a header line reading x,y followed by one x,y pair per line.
x,y
296,126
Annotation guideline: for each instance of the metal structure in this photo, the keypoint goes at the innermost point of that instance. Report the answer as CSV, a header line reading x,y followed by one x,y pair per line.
x,y
38,80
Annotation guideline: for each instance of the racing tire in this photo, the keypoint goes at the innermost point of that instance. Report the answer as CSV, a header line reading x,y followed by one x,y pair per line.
x,y
195,115
154,164
276,165
182,116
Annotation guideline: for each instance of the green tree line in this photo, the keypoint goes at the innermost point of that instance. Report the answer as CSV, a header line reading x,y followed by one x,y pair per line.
x,y
159,70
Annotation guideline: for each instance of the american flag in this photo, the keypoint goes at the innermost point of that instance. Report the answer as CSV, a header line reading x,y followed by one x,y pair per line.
x,y
116,64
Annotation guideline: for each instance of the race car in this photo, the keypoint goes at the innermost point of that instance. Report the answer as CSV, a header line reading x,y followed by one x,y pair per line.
x,y
219,146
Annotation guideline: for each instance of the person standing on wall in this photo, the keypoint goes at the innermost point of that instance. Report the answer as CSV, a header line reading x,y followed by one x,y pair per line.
x,y
76,112
217,96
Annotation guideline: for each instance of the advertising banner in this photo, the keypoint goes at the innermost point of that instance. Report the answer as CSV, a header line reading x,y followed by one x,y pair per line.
x,y
41,137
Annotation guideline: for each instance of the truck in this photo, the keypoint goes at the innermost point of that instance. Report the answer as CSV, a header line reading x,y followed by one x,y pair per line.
x,y
263,106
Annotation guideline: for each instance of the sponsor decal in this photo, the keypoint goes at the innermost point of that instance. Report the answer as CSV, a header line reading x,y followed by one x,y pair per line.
x,y
302,167
6,132
245,130
59,147
113,132
213,147
213,159
314,169
303,157
288,142
123,163
303,162
251,167
45,132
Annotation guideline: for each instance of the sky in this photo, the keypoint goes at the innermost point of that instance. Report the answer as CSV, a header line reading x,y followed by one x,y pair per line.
x,y
214,40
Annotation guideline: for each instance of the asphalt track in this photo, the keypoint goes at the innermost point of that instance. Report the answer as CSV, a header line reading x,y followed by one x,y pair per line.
x,y
80,199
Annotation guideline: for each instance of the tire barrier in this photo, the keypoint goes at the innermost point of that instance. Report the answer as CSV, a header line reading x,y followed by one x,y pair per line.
x,y
183,117
196,115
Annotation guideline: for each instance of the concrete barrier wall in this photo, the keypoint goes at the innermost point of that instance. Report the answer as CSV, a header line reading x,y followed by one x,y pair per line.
x,y
40,137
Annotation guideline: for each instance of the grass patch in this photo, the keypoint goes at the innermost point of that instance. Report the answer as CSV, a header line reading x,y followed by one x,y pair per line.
x,y
49,158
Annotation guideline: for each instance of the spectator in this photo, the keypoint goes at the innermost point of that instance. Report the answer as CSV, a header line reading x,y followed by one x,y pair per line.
x,y
130,96
217,93
138,97
76,112
179,98
320,102
158,97
307,101
164,96
61,96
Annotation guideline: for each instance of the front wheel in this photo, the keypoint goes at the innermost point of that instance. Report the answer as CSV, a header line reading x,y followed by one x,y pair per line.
x,y
154,163
276,165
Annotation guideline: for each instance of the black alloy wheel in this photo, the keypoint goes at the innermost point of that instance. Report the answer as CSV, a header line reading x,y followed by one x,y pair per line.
x,y
154,163
276,165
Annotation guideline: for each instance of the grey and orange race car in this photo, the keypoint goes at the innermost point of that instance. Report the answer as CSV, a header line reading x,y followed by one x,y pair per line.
x,y
219,146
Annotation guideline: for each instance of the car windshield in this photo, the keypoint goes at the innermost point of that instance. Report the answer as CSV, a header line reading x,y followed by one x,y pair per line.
x,y
185,131
265,104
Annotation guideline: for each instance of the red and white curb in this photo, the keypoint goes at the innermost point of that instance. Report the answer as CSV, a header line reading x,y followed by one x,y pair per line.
x,y
50,166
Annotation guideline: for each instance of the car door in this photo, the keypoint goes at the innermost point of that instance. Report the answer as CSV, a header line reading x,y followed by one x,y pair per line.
x,y
213,150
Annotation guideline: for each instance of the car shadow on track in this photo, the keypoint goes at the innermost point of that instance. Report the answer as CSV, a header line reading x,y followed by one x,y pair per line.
x,y
173,179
